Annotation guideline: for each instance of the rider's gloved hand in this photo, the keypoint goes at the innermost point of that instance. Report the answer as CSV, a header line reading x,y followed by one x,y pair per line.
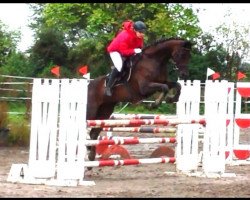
x,y
137,50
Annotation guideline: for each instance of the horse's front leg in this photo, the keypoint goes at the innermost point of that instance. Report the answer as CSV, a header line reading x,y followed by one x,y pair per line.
x,y
151,88
157,101
174,97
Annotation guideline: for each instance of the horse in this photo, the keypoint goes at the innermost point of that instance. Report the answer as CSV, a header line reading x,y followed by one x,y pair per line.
x,y
148,76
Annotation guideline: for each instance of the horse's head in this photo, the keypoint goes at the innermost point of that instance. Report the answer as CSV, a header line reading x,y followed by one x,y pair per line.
x,y
174,49
180,56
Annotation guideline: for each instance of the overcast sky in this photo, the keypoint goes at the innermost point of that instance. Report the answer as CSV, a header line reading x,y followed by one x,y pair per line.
x,y
211,15
16,17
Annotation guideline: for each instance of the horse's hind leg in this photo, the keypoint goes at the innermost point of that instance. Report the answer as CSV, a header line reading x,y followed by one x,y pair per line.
x,y
169,98
104,112
94,133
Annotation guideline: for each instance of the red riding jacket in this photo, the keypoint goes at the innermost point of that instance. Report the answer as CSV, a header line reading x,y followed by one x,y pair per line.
x,y
126,41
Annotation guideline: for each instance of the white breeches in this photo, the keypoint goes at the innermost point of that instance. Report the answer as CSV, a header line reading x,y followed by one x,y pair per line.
x,y
117,60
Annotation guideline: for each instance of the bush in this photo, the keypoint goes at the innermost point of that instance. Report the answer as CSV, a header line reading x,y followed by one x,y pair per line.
x,y
14,130
19,134
3,114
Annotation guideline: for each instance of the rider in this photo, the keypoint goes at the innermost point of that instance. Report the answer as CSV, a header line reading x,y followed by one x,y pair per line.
x,y
126,43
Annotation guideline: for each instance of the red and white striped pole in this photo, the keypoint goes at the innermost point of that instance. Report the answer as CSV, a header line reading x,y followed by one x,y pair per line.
x,y
103,163
143,129
120,141
139,122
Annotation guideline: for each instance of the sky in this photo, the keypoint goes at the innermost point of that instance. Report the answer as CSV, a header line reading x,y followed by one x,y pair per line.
x,y
16,17
211,15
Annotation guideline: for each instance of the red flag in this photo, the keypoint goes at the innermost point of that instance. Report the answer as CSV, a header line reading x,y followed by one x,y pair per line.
x,y
216,75
55,70
241,75
83,70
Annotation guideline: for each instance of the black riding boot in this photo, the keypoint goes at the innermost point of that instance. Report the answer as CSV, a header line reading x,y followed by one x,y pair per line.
x,y
111,81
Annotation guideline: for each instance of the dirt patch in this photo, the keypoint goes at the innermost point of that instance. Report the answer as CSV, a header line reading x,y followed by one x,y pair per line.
x,y
129,181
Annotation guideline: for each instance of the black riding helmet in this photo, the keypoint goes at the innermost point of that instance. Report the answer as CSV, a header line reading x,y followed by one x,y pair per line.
x,y
140,26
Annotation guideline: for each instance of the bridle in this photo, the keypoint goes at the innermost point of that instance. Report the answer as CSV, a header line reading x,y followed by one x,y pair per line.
x,y
175,67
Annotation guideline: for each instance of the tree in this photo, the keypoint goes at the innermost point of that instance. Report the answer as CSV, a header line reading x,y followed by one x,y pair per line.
x,y
8,42
17,64
99,22
207,53
48,50
234,38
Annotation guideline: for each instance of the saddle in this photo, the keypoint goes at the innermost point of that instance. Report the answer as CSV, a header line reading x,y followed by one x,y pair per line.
x,y
125,74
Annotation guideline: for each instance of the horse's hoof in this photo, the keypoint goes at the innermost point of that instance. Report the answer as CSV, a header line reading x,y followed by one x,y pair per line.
x,y
89,168
151,106
88,173
171,100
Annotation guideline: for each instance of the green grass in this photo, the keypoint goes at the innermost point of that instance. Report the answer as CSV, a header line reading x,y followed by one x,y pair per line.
x,y
18,124
19,106
143,109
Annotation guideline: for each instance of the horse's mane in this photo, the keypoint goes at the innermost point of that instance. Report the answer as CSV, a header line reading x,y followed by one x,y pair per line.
x,y
163,40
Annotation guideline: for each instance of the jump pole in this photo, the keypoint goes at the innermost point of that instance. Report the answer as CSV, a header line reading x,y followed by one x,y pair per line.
x,y
73,156
60,165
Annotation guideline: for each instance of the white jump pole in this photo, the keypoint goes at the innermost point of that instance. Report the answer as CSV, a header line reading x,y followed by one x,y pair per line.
x,y
72,132
188,105
187,157
230,123
216,94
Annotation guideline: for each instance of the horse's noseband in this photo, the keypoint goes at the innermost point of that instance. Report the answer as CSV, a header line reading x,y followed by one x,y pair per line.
x,y
175,68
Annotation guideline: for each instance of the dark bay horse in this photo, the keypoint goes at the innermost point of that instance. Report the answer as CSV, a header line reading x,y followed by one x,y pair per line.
x,y
149,75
